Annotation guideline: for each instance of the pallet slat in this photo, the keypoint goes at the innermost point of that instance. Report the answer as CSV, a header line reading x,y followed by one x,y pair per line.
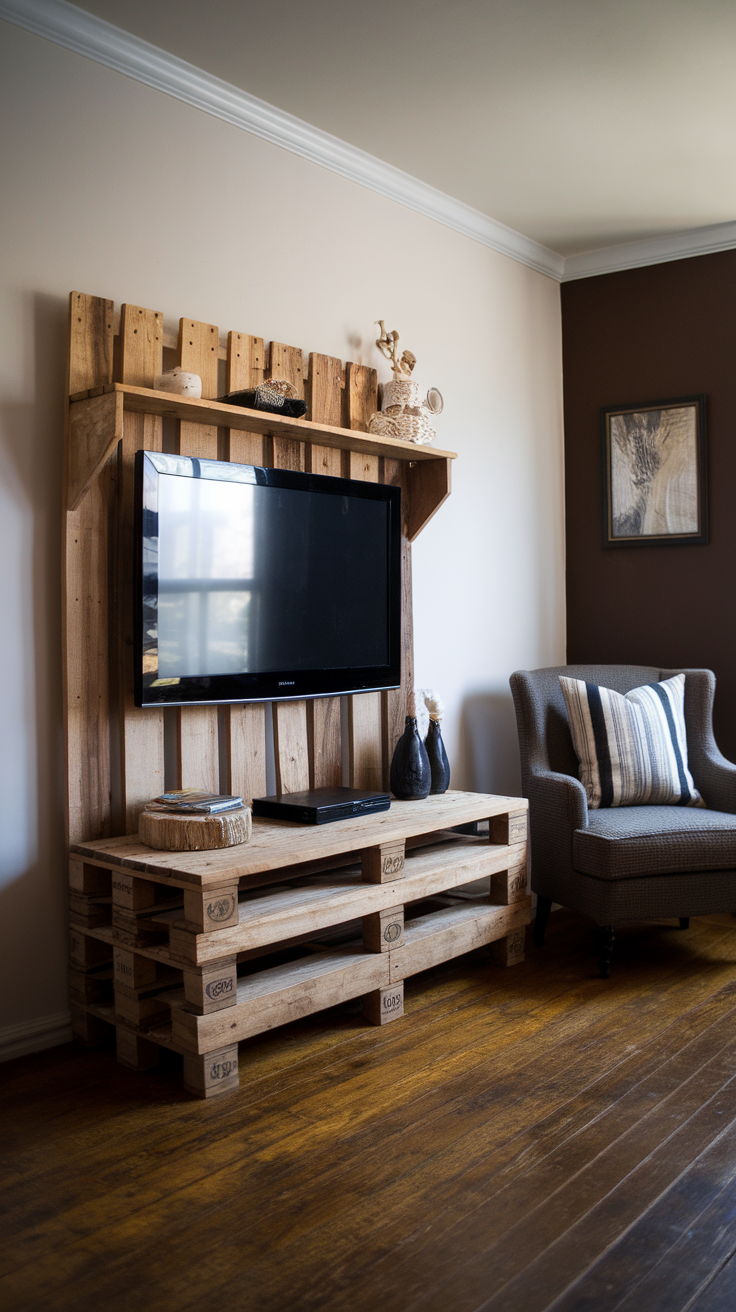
x,y
244,727
197,746
141,732
295,912
85,590
324,393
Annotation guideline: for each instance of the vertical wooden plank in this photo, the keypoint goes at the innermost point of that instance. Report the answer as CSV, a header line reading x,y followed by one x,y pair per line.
x,y
287,362
245,726
394,701
141,738
196,726
290,748
245,358
361,396
365,721
324,393
290,733
85,636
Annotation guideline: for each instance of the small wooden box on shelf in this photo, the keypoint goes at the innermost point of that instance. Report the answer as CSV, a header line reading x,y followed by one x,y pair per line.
x,y
181,923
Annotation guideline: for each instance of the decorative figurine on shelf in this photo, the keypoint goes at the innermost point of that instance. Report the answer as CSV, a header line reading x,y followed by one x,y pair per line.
x,y
401,414
411,775
438,762
180,382
275,395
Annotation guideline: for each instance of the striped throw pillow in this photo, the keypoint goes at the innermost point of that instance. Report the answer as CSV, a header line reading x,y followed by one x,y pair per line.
x,y
632,749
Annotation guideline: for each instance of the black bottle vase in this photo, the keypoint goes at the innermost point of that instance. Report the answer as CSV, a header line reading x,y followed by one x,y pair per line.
x,y
411,775
438,762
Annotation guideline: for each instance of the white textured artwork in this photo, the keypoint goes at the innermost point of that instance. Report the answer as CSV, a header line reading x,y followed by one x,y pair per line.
x,y
654,472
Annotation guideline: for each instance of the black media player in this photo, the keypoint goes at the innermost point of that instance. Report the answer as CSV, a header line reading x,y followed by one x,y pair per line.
x,y
319,806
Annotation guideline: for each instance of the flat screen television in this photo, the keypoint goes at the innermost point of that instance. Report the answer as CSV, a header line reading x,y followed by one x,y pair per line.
x,y
262,584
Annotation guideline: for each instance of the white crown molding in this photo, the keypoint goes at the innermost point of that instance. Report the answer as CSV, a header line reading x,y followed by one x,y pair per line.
x,y
654,250
34,1035
77,30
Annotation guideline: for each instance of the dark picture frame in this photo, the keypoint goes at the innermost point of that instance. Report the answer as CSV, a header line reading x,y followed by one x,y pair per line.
x,y
655,473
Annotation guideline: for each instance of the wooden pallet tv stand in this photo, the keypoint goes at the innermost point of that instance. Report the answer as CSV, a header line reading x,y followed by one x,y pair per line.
x,y
197,951
350,910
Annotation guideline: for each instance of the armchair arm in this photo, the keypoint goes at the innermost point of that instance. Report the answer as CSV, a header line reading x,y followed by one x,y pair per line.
x,y
557,806
561,799
714,776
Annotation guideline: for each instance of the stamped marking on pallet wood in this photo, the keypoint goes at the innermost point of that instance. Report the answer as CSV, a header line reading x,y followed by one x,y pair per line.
x,y
213,910
220,910
133,970
509,885
382,864
384,929
384,1005
509,951
215,1072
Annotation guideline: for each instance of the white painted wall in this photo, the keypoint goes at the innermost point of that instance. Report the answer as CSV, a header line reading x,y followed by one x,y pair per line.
x,y
115,189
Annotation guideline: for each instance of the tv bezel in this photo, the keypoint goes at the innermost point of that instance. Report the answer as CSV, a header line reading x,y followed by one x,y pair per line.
x,y
280,685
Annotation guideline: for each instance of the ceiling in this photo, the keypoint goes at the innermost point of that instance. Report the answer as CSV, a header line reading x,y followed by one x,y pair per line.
x,y
580,123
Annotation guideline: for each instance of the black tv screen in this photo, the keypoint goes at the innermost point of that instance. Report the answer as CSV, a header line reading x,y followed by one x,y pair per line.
x,y
258,584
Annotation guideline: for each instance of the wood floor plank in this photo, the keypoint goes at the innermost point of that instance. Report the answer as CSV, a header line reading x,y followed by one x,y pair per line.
x,y
445,1091
691,1230
528,1112
720,1294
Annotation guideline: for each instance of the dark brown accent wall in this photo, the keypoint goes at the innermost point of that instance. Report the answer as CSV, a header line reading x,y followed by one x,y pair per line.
x,y
667,330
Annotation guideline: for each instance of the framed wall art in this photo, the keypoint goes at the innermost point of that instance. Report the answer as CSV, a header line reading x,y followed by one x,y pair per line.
x,y
654,473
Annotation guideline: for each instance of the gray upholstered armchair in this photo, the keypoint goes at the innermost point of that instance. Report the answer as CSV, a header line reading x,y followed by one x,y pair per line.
x,y
623,863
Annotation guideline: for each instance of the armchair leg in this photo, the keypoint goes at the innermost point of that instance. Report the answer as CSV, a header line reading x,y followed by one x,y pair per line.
x,y
605,936
544,906
684,922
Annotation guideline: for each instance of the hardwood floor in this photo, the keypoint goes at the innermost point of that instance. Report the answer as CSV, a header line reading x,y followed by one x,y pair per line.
x,y
524,1139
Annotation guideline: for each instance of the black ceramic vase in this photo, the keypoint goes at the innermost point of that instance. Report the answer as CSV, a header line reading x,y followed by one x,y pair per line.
x,y
411,776
438,762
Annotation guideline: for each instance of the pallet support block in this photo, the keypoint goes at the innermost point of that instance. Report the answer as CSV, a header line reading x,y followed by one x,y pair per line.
x,y
509,951
384,1005
384,863
509,886
212,988
86,952
212,1074
384,930
132,893
94,881
216,908
133,971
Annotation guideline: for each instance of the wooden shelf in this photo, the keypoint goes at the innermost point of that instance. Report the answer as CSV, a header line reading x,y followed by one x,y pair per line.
x,y
277,844
292,913
283,994
96,421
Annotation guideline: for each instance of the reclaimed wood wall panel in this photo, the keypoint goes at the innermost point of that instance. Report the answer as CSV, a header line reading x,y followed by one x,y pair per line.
x,y
244,726
197,746
324,393
140,731
85,633
290,728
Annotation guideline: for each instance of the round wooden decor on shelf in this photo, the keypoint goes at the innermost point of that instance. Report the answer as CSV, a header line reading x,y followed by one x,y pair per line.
x,y
194,833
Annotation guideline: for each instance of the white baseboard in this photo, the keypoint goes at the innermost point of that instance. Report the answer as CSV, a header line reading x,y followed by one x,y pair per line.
x,y
34,1035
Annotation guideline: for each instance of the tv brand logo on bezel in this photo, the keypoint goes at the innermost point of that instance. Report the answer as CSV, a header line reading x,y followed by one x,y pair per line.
x,y
286,683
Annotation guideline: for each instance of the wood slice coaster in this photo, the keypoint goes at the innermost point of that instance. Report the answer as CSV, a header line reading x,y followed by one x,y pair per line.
x,y
194,833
